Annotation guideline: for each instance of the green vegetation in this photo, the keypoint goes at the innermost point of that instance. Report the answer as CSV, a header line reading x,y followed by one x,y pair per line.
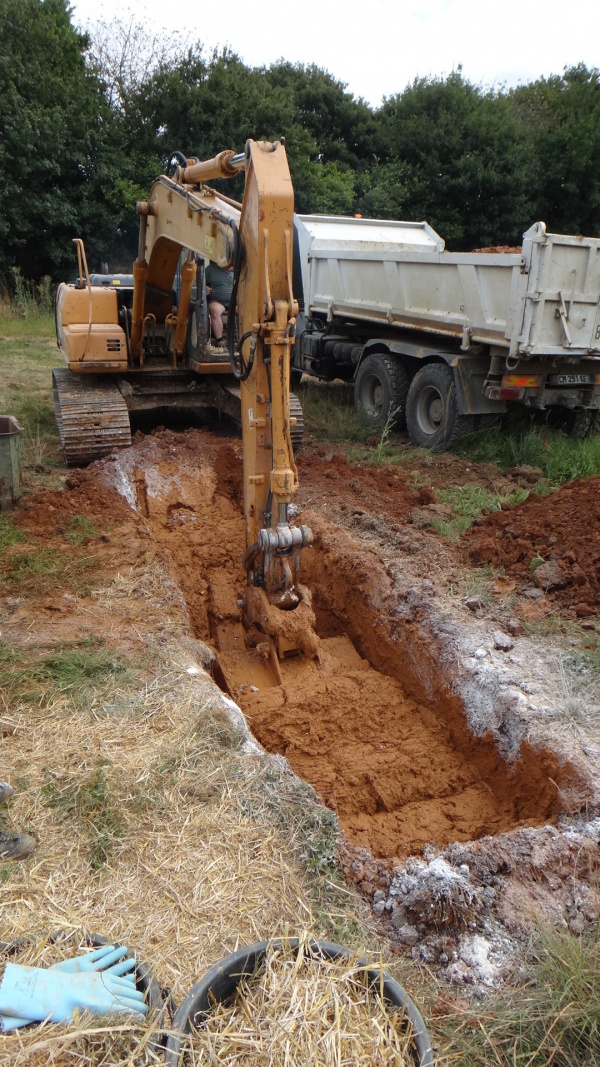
x,y
559,457
28,353
551,1019
329,412
94,801
101,113
9,534
470,501
73,668
79,528
40,570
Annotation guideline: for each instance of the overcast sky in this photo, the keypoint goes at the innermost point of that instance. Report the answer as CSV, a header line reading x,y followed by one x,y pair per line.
x,y
377,46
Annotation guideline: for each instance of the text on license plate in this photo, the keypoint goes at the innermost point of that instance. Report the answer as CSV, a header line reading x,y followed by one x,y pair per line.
x,y
571,379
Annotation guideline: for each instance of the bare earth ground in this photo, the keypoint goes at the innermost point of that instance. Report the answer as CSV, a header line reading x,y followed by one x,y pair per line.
x,y
451,744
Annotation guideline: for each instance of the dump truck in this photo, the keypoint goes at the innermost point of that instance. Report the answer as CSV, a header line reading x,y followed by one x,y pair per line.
x,y
440,343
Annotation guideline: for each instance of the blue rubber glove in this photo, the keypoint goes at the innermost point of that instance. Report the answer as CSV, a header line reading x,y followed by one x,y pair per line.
x,y
37,993
104,958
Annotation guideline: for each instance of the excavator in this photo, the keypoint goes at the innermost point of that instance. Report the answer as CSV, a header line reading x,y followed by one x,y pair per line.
x,y
135,344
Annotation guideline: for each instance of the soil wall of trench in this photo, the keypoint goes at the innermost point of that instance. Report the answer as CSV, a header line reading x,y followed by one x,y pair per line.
x,y
380,726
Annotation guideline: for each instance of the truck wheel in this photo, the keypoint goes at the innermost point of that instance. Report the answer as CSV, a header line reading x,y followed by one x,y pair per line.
x,y
380,390
577,423
432,416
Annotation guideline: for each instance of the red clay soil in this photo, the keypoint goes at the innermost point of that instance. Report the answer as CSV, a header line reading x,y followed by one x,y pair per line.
x,y
376,731
400,768
563,528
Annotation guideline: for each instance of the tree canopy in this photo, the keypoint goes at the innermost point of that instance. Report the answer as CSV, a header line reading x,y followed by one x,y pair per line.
x,y
88,120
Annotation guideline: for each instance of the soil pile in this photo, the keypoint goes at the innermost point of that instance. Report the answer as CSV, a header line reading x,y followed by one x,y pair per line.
x,y
552,542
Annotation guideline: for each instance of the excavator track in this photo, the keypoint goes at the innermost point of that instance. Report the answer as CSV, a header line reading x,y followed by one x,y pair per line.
x,y
231,389
91,415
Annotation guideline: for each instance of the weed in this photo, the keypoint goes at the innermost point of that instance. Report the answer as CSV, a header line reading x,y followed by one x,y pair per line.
x,y
73,668
382,449
551,1018
578,696
478,583
91,801
79,528
417,480
470,501
536,562
9,534
29,298
560,458
329,412
39,570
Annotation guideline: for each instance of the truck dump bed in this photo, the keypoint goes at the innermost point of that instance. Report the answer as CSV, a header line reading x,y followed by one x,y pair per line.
x,y
543,302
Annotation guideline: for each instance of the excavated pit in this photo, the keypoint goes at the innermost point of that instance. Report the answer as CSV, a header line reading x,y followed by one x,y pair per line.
x,y
376,726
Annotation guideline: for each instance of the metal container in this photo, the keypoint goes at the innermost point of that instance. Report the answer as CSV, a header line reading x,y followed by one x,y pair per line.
x,y
11,449
541,302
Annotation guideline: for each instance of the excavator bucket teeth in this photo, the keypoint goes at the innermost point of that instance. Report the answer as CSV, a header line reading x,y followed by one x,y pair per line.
x,y
91,415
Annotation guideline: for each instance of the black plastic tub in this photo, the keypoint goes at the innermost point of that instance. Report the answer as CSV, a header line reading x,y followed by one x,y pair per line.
x,y
220,982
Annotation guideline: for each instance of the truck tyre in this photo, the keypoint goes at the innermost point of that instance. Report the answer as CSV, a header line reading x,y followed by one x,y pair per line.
x,y
380,391
432,416
577,423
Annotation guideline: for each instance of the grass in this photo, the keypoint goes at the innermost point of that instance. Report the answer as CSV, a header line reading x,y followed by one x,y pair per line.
x,y
470,501
9,534
79,528
27,355
560,458
93,800
551,1019
75,668
330,415
329,412
41,570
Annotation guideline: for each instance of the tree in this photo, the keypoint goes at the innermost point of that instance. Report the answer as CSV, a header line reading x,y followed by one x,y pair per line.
x,y
562,114
468,159
52,126
202,104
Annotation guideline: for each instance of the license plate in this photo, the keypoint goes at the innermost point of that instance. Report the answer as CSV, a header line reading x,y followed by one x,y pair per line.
x,y
570,379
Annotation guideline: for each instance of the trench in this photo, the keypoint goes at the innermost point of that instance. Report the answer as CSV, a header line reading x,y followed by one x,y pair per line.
x,y
375,727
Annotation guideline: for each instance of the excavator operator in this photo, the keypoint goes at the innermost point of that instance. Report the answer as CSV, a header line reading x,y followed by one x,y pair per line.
x,y
219,285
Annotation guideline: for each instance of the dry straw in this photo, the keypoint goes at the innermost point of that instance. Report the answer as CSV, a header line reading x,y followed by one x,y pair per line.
x,y
299,1008
157,827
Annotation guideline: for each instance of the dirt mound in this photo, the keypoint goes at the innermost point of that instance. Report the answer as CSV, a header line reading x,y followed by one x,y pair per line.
x,y
51,513
551,542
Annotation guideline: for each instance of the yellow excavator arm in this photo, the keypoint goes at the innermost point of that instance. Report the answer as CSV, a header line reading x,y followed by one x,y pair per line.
x,y
257,239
